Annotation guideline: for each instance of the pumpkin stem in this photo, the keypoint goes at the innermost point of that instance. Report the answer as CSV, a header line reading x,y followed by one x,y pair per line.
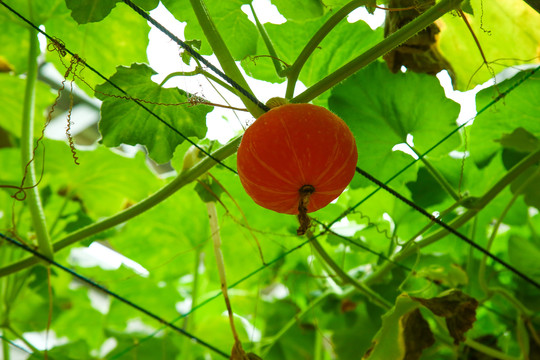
x,y
305,222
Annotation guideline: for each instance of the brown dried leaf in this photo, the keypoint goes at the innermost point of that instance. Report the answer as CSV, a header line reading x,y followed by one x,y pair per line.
x,y
416,334
421,52
457,308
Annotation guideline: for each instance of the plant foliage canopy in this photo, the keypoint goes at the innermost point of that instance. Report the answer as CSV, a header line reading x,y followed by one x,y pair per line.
x,y
128,234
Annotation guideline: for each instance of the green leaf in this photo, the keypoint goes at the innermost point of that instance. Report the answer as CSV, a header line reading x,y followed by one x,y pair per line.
x,y
15,44
71,351
101,175
195,45
125,122
524,254
93,43
493,25
520,140
233,25
501,118
426,191
290,9
12,94
87,11
334,51
381,117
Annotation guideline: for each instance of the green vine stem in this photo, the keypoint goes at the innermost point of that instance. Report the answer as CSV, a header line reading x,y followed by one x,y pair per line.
x,y
27,151
5,347
198,70
180,181
222,53
482,268
378,50
267,42
362,288
478,205
491,352
189,321
294,71
220,262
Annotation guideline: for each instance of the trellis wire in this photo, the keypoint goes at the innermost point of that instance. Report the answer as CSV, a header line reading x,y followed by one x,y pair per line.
x,y
195,54
447,227
17,346
52,39
114,295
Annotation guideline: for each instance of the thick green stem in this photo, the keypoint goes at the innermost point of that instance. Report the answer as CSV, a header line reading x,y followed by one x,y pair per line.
x,y
222,53
181,180
378,50
268,43
294,71
511,175
27,151
370,294
5,347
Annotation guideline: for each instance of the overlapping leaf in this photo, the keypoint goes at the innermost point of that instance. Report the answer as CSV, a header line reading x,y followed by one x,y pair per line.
x,y
381,117
125,122
519,109
237,31
119,39
99,9
493,24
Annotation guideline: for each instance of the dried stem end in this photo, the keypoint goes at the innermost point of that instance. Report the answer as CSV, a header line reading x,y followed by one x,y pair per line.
x,y
304,220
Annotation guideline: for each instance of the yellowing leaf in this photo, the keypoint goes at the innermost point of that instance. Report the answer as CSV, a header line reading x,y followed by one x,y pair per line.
x,y
510,23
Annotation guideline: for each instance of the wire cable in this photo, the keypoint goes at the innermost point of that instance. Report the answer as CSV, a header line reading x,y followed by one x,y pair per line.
x,y
115,295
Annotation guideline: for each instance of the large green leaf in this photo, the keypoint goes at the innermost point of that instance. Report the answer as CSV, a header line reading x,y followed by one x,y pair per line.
x,y
509,22
100,175
289,9
12,94
381,117
125,122
237,31
524,254
93,43
334,51
518,109
96,10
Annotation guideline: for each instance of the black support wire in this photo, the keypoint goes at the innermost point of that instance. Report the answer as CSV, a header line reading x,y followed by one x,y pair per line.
x,y
196,55
55,41
116,296
447,227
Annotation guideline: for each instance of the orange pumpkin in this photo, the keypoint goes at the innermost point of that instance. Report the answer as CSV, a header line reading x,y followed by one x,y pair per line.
x,y
296,155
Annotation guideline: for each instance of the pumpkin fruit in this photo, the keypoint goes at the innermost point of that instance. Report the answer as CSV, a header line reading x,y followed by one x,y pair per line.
x,y
296,158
